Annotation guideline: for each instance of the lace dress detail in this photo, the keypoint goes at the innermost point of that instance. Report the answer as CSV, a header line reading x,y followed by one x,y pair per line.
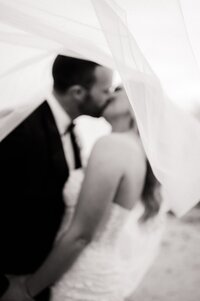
x,y
112,265
70,195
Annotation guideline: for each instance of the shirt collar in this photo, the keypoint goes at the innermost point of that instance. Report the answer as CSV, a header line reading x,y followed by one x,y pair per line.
x,y
62,119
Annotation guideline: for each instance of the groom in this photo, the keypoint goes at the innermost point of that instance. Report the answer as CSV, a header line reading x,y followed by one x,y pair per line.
x,y
35,160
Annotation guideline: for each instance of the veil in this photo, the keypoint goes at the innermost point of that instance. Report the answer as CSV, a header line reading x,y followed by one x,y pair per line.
x,y
32,34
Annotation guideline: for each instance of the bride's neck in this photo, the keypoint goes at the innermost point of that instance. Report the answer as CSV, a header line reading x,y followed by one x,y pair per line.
x,y
120,125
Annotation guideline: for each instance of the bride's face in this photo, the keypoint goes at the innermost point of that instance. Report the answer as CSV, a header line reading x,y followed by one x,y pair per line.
x,y
118,106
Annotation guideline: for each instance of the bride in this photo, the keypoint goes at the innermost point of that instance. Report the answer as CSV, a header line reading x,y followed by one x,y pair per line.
x,y
113,223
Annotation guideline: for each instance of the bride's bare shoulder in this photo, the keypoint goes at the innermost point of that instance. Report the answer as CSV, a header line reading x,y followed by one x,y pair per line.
x,y
120,147
110,143
105,147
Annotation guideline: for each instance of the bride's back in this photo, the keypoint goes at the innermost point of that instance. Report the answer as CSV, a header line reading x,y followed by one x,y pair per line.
x,y
128,155
121,249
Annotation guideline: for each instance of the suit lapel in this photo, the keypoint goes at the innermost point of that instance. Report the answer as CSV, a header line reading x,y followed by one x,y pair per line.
x,y
55,144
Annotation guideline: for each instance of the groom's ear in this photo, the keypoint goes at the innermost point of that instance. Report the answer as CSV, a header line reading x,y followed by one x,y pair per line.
x,y
77,92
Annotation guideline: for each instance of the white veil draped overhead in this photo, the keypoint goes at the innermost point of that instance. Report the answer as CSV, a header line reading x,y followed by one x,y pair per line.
x,y
33,32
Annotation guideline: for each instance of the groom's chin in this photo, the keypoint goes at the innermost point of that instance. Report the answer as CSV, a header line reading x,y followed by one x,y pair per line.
x,y
107,104
98,112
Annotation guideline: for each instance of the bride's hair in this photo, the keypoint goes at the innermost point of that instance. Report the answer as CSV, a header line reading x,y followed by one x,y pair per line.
x,y
151,197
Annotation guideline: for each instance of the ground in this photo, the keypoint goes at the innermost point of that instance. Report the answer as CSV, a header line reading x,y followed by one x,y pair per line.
x,y
175,275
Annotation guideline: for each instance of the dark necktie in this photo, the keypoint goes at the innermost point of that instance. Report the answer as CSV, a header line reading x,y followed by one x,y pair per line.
x,y
76,149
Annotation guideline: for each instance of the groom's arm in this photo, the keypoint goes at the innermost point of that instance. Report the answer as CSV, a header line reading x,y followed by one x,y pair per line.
x,y
10,289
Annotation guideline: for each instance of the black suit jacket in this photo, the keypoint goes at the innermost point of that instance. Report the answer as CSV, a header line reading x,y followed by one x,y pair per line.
x,y
33,171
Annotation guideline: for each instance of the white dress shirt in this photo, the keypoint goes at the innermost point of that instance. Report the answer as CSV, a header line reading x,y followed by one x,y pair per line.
x,y
63,120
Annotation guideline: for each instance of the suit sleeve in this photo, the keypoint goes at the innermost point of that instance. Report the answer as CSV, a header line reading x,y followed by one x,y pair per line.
x,y
4,284
10,155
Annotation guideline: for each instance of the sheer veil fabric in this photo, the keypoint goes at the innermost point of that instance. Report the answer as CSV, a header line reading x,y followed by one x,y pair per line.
x,y
33,32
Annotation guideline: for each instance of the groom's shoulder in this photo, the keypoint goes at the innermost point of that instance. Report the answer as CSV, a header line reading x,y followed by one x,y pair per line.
x,y
38,112
29,123
36,115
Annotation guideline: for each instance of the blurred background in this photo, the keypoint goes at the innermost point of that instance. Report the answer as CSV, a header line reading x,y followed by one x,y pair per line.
x,y
167,32
175,274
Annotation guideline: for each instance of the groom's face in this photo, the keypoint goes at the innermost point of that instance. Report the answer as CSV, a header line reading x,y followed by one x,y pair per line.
x,y
98,96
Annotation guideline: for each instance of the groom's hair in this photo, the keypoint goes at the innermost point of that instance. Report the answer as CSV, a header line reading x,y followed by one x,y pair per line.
x,y
68,71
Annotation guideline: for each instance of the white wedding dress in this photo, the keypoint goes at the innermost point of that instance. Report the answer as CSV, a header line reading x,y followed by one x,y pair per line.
x,y
113,264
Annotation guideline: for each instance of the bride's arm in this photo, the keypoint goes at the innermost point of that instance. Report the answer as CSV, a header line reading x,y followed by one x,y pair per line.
x,y
98,190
